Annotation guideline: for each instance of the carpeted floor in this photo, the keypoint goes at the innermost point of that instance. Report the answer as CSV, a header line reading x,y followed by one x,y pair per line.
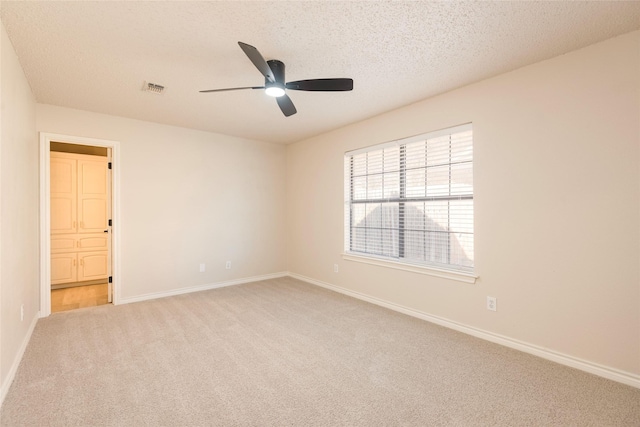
x,y
286,353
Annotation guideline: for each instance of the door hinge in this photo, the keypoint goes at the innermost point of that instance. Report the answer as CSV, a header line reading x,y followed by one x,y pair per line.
x,y
110,223
109,165
110,279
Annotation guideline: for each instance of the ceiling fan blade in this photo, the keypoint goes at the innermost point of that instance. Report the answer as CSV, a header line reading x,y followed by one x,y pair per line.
x,y
232,88
286,105
258,61
323,85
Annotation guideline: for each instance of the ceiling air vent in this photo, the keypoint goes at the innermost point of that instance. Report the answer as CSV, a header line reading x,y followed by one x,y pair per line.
x,y
153,88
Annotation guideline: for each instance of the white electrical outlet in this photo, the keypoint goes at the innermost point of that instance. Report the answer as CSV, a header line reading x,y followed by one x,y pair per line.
x,y
202,267
228,265
335,268
22,312
492,303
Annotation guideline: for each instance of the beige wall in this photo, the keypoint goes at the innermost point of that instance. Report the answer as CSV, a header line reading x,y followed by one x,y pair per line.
x,y
188,197
556,205
18,210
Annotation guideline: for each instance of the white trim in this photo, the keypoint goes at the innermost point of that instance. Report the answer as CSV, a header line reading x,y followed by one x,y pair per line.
x,y
205,287
421,269
415,138
45,213
45,235
617,375
17,359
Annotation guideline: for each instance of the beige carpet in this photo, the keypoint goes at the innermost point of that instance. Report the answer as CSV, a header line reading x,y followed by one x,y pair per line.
x,y
286,353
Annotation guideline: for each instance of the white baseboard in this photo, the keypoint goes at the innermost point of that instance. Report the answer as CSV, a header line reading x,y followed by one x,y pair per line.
x,y
16,360
574,362
199,288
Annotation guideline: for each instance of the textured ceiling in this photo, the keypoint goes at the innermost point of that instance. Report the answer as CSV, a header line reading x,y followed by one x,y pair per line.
x,y
96,56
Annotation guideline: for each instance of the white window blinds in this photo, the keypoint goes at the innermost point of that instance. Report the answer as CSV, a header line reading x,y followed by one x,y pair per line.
x,y
412,200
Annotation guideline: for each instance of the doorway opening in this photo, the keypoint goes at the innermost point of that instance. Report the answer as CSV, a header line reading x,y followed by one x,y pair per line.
x,y
79,251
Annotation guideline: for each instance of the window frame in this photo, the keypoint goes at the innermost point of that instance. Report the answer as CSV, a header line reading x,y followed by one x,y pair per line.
x,y
448,271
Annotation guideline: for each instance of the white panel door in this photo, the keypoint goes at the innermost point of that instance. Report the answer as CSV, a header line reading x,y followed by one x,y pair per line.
x,y
92,265
92,195
64,268
63,195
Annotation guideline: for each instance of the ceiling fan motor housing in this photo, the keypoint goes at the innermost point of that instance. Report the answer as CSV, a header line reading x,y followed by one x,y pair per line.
x,y
277,67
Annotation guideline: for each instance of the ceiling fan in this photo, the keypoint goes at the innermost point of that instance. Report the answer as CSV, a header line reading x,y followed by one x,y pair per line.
x,y
274,83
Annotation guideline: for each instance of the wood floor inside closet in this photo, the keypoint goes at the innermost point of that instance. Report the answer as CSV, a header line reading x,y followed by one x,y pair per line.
x,y
78,297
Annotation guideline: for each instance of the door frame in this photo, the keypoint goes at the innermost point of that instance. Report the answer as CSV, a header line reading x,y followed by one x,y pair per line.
x,y
45,213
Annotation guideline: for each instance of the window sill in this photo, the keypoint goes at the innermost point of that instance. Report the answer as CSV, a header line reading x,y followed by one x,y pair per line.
x,y
430,271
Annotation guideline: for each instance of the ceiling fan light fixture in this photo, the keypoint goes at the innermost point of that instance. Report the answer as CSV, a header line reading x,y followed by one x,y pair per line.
x,y
275,91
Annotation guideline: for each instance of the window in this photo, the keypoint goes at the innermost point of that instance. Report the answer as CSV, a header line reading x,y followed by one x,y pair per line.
x,y
411,201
